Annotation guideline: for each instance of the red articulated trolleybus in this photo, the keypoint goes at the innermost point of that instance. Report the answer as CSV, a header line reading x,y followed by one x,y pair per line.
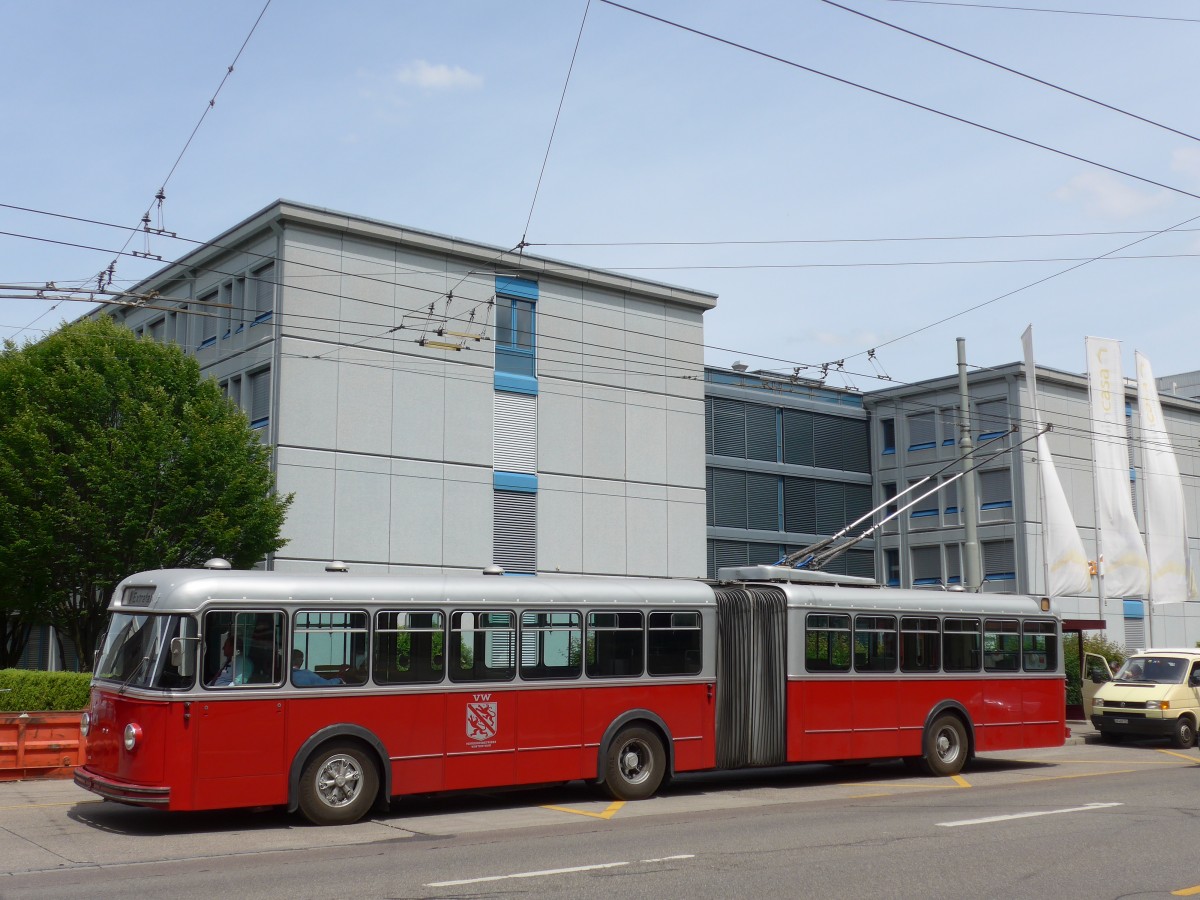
x,y
333,693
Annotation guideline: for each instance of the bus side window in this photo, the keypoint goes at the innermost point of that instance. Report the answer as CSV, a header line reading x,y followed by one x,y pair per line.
x,y
409,647
551,645
616,645
483,646
919,644
1001,645
1040,646
875,643
827,643
674,644
332,645
960,645
242,648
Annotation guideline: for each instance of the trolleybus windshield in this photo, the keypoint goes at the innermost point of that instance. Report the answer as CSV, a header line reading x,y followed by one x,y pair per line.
x,y
140,651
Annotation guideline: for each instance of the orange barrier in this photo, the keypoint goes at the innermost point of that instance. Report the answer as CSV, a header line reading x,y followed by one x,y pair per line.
x,y
40,745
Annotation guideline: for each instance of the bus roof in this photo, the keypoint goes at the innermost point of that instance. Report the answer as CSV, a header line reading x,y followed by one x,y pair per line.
x,y
185,590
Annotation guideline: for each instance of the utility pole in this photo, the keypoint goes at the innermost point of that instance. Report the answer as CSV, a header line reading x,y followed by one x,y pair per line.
x,y
969,509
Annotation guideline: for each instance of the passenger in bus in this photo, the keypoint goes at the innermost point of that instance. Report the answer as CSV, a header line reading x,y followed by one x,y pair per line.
x,y
302,677
236,669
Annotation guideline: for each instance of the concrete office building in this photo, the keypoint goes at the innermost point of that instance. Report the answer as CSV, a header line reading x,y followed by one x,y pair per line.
x,y
439,405
915,433
788,463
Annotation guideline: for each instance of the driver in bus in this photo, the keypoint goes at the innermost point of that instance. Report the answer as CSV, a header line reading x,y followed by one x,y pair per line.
x,y
236,669
302,677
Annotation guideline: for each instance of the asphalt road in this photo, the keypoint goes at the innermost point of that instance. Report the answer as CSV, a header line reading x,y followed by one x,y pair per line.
x,y
1079,821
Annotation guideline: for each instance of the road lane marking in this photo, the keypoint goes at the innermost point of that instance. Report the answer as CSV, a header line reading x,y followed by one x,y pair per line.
x,y
1186,892
41,805
960,781
1190,759
669,858
607,814
538,874
1028,815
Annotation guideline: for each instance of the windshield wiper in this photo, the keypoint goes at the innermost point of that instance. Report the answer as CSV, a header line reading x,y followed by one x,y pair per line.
x,y
132,675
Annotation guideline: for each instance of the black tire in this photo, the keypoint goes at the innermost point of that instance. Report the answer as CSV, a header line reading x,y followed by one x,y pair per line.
x,y
635,764
338,785
945,746
1183,735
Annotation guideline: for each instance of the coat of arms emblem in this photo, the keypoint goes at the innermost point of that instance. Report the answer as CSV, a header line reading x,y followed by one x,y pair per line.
x,y
481,721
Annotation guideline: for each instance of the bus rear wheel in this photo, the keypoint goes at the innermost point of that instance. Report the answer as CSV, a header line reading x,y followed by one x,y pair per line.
x,y
635,765
338,785
945,750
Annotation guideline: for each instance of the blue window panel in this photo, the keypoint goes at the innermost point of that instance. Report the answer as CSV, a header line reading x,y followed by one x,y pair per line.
x,y
1135,609
1001,576
889,451
517,384
999,504
515,481
927,581
954,579
207,342
924,445
524,288
923,513
988,435
948,442
893,582
951,510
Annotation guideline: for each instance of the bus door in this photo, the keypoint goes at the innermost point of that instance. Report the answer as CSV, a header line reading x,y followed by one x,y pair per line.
x,y
239,731
751,712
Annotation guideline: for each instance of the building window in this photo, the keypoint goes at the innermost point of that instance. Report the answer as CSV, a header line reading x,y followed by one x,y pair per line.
x,y
264,293
949,495
259,410
892,509
887,428
208,326
515,336
995,495
999,560
953,564
927,565
514,531
891,566
949,426
924,512
991,419
921,433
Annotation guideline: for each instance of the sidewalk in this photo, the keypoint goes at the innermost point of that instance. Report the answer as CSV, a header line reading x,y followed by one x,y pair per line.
x,y
1082,733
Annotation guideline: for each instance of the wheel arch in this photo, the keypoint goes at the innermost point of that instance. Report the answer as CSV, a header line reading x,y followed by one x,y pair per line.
x,y
954,708
632,717
329,734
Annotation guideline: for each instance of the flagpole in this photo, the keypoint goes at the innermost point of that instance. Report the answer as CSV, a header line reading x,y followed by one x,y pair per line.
x,y
1096,505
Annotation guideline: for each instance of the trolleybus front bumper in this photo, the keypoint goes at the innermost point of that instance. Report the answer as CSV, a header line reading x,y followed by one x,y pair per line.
x,y
122,792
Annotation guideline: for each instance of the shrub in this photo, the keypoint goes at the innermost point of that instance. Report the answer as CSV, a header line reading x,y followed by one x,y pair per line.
x,y
22,690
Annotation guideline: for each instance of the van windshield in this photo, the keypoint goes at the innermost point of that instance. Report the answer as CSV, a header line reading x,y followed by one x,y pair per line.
x,y
1153,670
136,651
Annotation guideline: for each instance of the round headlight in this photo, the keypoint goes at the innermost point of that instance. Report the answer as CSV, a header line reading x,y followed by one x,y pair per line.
x,y
1097,702
133,734
85,724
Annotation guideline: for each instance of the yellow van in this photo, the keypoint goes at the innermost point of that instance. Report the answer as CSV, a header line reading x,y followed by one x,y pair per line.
x,y
1156,693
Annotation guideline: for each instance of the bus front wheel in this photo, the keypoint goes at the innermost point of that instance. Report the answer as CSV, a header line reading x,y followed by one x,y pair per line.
x,y
945,749
635,764
338,785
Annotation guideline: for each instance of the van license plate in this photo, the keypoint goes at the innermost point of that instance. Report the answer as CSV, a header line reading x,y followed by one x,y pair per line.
x,y
1120,721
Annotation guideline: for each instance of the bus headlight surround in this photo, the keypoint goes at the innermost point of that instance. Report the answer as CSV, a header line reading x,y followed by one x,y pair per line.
x,y
85,724
133,734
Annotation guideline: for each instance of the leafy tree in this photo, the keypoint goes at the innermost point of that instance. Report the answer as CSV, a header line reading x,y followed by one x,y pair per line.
x,y
1093,642
116,456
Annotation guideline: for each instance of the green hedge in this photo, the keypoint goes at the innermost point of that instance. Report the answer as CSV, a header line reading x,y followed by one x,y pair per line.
x,y
22,690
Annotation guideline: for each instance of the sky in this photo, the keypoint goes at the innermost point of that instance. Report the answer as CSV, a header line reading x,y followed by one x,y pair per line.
x,y
830,219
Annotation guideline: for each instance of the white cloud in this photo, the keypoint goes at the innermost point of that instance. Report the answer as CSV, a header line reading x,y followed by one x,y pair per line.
x,y
438,77
1103,194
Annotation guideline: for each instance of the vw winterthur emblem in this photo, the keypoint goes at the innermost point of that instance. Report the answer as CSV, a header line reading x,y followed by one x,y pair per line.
x,y
481,721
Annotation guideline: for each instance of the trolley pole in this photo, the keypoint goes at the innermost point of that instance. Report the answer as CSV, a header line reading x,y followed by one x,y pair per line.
x,y
972,580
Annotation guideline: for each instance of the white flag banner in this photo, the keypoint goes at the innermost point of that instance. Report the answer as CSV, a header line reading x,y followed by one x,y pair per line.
x,y
1066,562
1124,567
1162,489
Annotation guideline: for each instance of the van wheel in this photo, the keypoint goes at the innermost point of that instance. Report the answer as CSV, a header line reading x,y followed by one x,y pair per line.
x,y
1184,735
338,785
635,765
945,746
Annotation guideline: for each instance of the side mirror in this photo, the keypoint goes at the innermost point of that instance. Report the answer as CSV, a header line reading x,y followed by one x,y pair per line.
x,y
181,659
1195,679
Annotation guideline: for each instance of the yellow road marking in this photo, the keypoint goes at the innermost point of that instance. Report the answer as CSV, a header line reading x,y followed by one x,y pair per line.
x,y
1190,759
960,781
865,796
1186,892
607,814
